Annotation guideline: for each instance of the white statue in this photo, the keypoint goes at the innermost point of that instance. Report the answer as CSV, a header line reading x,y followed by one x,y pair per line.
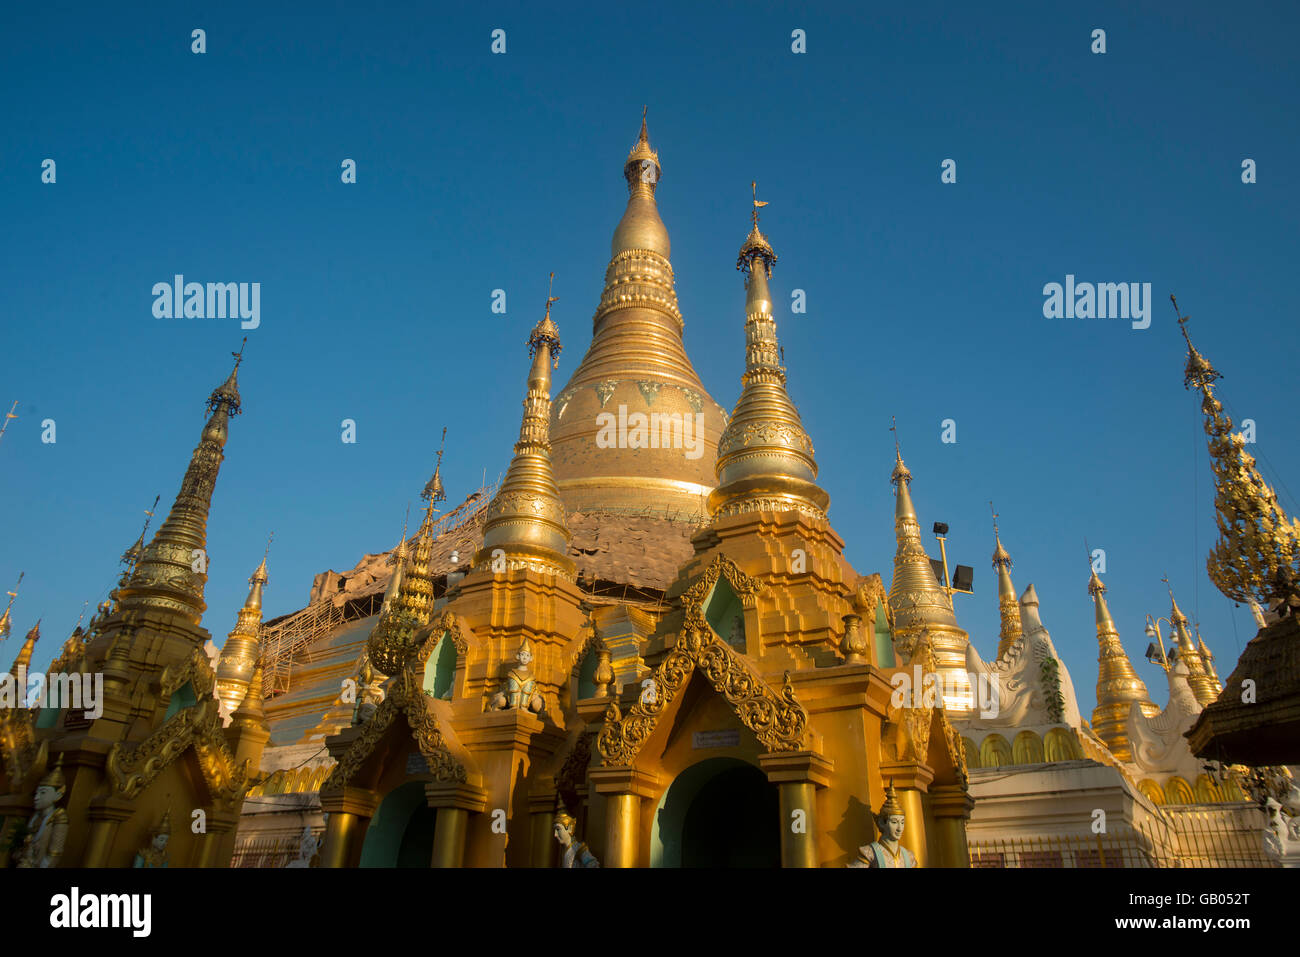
x,y
308,848
576,854
888,850
47,828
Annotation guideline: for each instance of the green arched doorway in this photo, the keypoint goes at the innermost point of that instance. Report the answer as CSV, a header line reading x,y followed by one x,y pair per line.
x,y
401,832
722,812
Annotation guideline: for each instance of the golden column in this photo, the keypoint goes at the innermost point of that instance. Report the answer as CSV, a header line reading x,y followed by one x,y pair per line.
x,y
240,653
454,803
797,775
349,812
623,789
951,807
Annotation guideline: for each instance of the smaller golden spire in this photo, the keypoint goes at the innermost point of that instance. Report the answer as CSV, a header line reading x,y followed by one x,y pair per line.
x,y
525,521
1198,676
251,711
24,659
242,653
1118,684
1008,605
765,457
408,605
6,622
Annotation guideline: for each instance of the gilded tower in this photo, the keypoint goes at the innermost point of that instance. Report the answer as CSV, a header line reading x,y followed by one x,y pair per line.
x,y
765,458
525,523
242,650
919,600
637,365
1118,685
1008,605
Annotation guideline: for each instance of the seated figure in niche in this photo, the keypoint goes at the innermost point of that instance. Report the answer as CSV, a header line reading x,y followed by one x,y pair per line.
x,y
519,691
154,854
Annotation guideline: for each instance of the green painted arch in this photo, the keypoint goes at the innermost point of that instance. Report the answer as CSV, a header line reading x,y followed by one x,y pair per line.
x,y
725,614
182,697
401,832
440,669
884,638
587,675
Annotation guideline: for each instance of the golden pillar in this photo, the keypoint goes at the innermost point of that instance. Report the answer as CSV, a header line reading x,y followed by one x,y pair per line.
x,y
911,781
210,843
541,815
449,837
454,802
951,806
797,775
349,812
623,789
105,817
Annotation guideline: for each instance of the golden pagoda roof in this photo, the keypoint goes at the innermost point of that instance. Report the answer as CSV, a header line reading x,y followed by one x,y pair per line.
x,y
636,365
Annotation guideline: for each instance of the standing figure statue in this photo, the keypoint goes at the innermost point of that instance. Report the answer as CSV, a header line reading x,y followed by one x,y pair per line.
x,y
887,851
154,854
519,691
47,828
576,853
308,849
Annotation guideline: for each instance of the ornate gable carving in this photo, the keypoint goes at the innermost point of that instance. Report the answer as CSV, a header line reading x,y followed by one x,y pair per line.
x,y
778,720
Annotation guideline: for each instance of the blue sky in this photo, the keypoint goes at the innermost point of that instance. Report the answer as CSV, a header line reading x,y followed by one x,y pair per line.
x,y
480,171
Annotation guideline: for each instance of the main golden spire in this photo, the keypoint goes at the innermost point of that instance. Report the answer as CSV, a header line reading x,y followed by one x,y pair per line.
x,y
524,523
1118,685
243,650
636,373
765,458
1008,604
171,573
1257,556
918,599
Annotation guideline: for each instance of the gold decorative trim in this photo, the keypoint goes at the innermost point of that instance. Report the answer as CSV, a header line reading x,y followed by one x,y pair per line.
x,y
132,770
407,696
779,721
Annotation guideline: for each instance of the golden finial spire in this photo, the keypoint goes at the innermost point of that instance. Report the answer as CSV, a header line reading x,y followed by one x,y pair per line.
x,y
172,571
918,599
1008,606
243,648
765,458
11,414
526,520
1198,676
1118,685
24,659
1258,552
408,600
5,620
251,711
433,491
